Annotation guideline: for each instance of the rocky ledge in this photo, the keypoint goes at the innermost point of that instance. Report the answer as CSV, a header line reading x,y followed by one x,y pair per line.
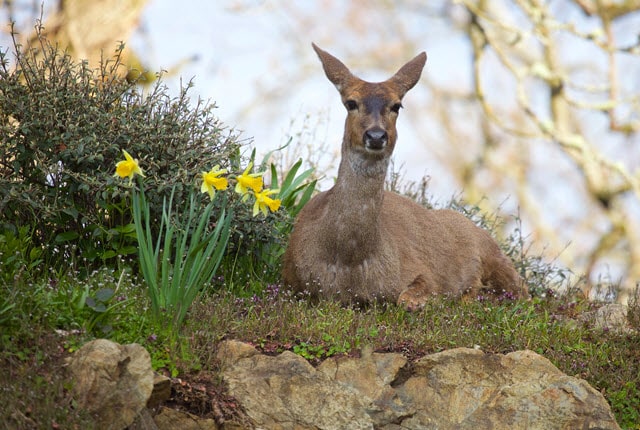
x,y
460,388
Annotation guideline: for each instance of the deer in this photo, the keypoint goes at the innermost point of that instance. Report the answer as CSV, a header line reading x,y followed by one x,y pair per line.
x,y
358,243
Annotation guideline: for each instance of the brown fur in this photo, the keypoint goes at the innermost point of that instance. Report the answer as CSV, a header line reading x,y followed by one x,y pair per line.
x,y
359,243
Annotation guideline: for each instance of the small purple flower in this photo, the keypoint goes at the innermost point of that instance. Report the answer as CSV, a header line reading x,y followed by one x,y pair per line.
x,y
273,290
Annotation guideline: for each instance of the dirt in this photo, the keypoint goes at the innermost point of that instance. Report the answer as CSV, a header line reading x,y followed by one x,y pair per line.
x,y
203,395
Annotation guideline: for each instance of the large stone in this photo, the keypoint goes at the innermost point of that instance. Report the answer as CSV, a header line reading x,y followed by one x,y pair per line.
x,y
468,389
286,392
457,389
111,381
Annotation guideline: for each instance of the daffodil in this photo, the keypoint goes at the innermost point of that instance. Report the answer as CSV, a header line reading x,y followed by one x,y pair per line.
x,y
128,167
211,181
263,201
248,181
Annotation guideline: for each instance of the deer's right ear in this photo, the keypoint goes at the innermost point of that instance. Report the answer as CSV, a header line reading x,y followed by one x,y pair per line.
x,y
335,70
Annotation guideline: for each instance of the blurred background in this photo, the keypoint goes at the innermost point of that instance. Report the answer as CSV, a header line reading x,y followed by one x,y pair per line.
x,y
530,109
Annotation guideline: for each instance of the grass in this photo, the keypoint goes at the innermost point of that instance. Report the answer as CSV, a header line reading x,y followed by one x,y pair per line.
x,y
32,351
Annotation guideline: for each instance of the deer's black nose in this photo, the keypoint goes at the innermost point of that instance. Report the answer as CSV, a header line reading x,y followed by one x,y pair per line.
x,y
375,139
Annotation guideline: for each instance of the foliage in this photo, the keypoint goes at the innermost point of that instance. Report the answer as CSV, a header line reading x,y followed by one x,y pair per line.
x,y
99,304
325,349
18,256
190,246
625,402
633,314
102,307
183,259
255,250
295,189
63,127
51,317
36,392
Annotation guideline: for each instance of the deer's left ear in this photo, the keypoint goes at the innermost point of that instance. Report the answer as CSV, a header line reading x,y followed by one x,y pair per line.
x,y
409,74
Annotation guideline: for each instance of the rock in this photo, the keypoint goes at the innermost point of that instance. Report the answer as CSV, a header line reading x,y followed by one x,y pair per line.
x,y
161,390
612,316
457,389
170,419
468,389
111,381
231,351
286,392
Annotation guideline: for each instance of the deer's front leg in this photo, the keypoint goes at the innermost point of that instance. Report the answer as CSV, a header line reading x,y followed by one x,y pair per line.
x,y
416,294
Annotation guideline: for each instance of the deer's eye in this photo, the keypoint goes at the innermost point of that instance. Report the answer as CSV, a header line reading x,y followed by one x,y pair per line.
x,y
396,107
351,105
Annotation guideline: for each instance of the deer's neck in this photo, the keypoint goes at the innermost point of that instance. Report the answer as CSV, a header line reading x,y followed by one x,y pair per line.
x,y
355,204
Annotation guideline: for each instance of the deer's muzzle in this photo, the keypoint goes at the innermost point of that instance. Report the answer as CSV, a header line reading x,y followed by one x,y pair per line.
x,y
375,139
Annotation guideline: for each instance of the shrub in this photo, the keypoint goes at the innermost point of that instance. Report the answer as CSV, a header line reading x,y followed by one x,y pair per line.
x,y
17,253
64,126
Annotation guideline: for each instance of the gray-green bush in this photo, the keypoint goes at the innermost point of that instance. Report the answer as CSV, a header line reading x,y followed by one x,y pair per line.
x,y
63,127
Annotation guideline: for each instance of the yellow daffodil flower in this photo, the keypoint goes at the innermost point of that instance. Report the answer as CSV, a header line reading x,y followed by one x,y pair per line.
x,y
211,181
128,167
263,201
248,181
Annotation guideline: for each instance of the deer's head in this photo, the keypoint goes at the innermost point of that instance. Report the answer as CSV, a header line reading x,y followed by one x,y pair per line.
x,y
372,108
